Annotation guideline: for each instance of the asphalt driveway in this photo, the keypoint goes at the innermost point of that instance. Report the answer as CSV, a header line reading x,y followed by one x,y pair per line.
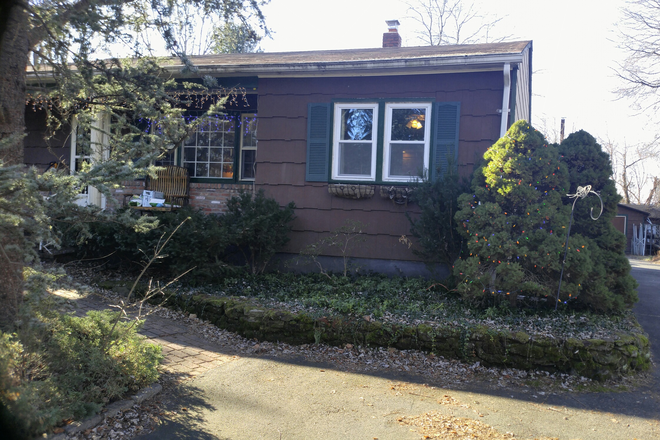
x,y
647,310
261,398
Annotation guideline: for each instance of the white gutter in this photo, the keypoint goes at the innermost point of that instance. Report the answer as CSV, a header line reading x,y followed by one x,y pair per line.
x,y
505,99
354,68
296,65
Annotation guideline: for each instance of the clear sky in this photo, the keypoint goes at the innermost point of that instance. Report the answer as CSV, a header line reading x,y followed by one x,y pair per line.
x,y
574,59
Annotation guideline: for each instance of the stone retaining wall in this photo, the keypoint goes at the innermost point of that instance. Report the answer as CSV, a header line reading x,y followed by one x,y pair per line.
x,y
594,358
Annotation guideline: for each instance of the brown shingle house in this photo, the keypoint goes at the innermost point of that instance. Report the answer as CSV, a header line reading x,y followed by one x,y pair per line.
x,y
628,215
343,133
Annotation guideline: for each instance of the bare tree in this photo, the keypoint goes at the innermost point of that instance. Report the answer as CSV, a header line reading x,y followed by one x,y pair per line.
x,y
653,198
452,22
640,38
630,173
202,34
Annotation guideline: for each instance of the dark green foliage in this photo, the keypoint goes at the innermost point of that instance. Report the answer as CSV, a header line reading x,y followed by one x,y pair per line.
x,y
201,243
516,220
435,228
515,225
363,295
254,226
611,288
258,227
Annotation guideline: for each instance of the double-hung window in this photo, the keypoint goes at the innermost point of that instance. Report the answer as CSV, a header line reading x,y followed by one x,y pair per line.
x,y
355,146
406,145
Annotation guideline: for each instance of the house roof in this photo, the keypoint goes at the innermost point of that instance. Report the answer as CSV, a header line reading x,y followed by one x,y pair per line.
x,y
652,211
350,62
360,62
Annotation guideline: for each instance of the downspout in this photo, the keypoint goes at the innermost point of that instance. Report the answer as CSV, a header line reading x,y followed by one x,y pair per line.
x,y
505,99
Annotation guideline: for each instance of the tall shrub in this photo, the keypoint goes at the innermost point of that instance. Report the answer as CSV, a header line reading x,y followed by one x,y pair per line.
x,y
515,224
610,287
258,227
200,243
435,227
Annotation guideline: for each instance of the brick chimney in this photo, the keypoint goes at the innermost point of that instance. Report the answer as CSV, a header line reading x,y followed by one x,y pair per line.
x,y
391,38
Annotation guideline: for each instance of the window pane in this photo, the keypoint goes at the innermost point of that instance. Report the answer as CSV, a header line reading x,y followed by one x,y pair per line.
x,y
189,154
406,160
191,140
216,154
408,124
228,155
201,170
248,164
191,169
83,140
228,140
217,139
203,138
167,158
215,170
356,124
228,170
79,163
355,158
250,131
202,154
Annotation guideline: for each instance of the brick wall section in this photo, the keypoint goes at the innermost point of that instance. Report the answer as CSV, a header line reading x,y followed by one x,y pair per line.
x,y
210,197
213,197
391,39
127,187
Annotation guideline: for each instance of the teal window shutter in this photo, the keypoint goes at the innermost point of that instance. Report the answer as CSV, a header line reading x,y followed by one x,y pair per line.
x,y
446,116
318,142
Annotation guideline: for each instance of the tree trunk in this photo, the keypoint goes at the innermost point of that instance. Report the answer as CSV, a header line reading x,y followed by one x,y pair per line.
x,y
14,50
625,184
654,189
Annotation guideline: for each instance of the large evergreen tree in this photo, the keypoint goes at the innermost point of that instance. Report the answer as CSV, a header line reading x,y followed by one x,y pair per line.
x,y
72,50
610,286
517,215
515,225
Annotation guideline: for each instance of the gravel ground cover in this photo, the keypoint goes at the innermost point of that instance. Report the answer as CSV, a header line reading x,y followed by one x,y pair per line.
x,y
430,368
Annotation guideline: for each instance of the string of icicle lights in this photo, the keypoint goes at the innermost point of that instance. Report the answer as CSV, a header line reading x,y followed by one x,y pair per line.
x,y
184,98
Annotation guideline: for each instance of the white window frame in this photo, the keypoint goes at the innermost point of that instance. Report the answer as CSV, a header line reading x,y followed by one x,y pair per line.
x,y
336,141
244,147
99,144
387,141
